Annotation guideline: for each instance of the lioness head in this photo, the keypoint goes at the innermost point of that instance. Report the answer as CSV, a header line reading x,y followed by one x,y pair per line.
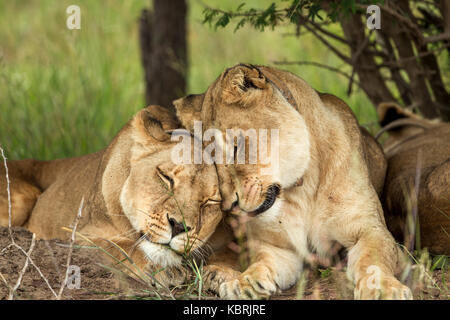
x,y
260,125
401,124
174,208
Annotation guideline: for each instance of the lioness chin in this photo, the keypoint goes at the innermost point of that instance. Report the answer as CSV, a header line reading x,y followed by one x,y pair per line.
x,y
136,199
318,192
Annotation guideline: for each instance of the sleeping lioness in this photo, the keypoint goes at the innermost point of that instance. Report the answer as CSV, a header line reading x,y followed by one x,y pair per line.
x,y
417,147
135,197
320,193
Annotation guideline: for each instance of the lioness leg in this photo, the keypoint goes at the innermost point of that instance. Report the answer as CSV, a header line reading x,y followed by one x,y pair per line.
x,y
273,269
373,256
372,263
23,198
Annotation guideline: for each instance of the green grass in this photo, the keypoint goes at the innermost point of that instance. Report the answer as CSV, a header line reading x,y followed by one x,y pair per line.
x,y
67,92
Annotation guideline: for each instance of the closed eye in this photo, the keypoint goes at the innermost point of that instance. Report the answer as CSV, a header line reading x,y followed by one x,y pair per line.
x,y
168,181
211,202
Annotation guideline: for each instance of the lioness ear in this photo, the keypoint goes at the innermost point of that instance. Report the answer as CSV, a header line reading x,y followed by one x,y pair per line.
x,y
149,127
240,84
166,117
188,109
390,111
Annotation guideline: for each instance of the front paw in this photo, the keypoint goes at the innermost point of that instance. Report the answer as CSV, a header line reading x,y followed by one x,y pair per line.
x,y
248,286
170,276
215,275
381,287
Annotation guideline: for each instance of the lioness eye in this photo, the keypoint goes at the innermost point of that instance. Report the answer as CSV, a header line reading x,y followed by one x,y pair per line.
x,y
165,178
213,201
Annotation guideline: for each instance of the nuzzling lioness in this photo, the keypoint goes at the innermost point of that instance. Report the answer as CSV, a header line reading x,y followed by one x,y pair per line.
x,y
318,193
135,196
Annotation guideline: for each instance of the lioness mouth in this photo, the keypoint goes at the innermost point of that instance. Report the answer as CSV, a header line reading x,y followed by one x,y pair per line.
x,y
271,195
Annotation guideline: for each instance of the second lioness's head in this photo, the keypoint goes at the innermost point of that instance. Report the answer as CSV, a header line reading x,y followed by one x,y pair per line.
x,y
172,208
264,141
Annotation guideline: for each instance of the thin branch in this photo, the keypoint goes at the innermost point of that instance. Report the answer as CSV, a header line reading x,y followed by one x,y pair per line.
x,y
328,33
37,269
354,62
406,21
13,243
315,64
8,190
69,255
4,281
24,269
437,38
399,62
328,44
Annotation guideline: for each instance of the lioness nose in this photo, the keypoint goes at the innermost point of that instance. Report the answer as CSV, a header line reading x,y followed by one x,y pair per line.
x,y
230,203
177,227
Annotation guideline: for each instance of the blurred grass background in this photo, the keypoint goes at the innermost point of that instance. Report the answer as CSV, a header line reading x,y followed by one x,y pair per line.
x,y
67,92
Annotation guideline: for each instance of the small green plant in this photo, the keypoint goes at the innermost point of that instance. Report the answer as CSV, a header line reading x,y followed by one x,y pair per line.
x,y
325,273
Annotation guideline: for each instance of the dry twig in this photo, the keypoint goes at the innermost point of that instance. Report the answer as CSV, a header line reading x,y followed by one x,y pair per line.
x,y
13,243
24,269
69,255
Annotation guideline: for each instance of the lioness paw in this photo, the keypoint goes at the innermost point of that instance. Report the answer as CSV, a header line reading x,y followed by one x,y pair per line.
x,y
170,276
385,288
247,287
214,276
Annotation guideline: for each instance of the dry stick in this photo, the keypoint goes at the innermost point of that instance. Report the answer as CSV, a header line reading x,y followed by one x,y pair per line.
x,y
24,269
409,242
9,208
69,255
4,280
416,199
13,243
37,269
8,191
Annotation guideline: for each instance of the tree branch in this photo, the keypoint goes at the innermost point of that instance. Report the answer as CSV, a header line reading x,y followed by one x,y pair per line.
x,y
315,64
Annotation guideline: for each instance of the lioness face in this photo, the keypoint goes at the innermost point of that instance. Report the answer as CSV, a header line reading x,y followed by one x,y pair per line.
x,y
244,100
174,208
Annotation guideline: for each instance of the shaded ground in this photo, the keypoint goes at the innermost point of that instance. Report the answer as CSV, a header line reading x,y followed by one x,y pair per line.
x,y
99,283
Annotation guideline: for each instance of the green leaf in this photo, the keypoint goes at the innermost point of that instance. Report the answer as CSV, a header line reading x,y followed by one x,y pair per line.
x,y
223,21
439,262
240,6
325,273
240,24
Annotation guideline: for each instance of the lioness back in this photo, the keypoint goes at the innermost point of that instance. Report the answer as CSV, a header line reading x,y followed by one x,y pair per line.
x,y
417,147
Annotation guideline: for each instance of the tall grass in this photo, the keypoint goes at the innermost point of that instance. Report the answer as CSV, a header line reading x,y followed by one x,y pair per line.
x,y
67,92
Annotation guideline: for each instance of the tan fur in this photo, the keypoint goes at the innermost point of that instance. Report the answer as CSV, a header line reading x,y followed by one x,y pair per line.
x,y
127,194
326,191
419,147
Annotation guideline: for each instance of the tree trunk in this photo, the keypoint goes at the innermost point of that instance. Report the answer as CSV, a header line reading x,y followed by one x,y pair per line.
x,y
162,34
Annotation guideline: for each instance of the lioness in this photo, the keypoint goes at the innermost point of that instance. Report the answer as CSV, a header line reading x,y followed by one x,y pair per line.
x,y
135,196
319,195
417,147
